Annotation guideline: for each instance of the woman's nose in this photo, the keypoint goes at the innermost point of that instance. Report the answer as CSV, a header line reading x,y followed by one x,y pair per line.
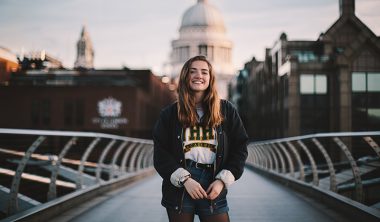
x,y
198,74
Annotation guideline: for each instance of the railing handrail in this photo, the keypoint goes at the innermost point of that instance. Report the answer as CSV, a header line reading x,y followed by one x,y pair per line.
x,y
319,135
137,157
70,133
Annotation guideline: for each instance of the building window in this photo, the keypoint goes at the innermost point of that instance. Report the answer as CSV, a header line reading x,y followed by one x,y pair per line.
x,y
304,56
210,53
373,82
359,82
202,49
365,101
314,103
313,84
365,82
183,53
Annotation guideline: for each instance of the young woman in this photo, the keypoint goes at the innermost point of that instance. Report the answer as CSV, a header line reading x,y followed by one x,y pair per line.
x,y
200,147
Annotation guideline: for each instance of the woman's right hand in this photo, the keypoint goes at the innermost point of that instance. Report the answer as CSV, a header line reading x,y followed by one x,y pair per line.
x,y
194,189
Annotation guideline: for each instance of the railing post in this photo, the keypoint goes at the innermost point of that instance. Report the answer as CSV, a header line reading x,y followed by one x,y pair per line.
x,y
52,193
276,164
263,158
372,144
312,162
291,166
330,165
127,153
134,157
140,157
253,154
283,166
101,159
79,182
257,154
147,157
298,158
354,167
115,157
13,201
268,157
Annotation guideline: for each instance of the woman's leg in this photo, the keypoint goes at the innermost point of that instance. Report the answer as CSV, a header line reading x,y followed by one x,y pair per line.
x,y
215,218
182,217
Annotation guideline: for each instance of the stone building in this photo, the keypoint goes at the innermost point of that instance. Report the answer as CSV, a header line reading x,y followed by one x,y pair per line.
x,y
123,102
202,32
85,51
326,85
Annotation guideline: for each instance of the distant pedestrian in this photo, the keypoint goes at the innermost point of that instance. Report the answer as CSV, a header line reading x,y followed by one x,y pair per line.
x,y
200,147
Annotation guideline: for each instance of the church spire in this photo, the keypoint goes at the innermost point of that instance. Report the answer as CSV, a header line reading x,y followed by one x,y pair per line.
x,y
85,52
347,7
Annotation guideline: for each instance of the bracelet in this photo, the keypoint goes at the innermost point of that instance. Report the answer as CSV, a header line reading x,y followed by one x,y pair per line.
x,y
183,181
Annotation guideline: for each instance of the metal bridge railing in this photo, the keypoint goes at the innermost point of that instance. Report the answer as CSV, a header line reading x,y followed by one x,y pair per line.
x,y
60,162
345,163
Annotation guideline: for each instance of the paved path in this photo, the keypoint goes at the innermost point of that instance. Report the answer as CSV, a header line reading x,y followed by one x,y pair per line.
x,y
252,198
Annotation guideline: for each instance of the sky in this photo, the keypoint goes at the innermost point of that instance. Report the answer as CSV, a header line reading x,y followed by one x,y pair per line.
x,y
138,34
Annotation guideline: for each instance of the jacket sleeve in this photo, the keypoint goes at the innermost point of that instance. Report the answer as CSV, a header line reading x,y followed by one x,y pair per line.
x,y
237,142
163,160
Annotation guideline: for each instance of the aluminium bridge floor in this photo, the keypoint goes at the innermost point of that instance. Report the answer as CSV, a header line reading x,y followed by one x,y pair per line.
x,y
252,198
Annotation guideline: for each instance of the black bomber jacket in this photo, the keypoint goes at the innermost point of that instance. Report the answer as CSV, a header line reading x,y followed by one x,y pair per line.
x,y
168,148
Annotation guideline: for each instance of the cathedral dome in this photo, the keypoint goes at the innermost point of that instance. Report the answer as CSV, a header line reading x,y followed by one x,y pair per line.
x,y
202,14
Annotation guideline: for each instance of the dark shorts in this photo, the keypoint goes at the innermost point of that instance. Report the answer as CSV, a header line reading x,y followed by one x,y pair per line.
x,y
203,207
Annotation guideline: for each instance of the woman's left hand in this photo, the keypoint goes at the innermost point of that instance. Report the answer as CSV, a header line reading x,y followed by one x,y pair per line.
x,y
214,189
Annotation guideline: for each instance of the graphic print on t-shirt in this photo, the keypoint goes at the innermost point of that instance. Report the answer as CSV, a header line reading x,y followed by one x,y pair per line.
x,y
200,144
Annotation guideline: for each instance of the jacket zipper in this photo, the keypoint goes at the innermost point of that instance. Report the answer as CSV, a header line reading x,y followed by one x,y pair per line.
x,y
216,157
184,162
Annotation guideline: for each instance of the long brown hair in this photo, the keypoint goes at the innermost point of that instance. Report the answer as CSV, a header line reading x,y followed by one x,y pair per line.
x,y
186,104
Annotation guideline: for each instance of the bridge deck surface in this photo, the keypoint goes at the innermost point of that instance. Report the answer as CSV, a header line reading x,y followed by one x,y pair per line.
x,y
252,198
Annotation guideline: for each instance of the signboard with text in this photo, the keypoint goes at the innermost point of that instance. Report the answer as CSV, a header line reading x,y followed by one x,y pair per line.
x,y
109,110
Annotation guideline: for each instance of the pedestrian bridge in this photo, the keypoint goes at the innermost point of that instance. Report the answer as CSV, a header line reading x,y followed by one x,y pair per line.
x,y
80,176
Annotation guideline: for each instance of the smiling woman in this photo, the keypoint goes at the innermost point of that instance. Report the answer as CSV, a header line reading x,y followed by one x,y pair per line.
x,y
200,147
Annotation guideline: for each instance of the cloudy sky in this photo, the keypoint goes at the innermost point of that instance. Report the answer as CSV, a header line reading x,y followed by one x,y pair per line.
x,y
137,34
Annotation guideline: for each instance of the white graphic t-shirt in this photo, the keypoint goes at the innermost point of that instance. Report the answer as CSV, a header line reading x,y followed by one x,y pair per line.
x,y
200,144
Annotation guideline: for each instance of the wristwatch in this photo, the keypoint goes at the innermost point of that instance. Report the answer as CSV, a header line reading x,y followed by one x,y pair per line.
x,y
183,179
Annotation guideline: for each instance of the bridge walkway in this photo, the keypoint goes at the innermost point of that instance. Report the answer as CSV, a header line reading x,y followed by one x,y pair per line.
x,y
252,198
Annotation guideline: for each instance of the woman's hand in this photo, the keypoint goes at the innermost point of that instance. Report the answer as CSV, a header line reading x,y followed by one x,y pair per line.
x,y
194,189
214,189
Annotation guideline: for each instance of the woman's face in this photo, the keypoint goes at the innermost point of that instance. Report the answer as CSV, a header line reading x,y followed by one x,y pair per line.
x,y
199,76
